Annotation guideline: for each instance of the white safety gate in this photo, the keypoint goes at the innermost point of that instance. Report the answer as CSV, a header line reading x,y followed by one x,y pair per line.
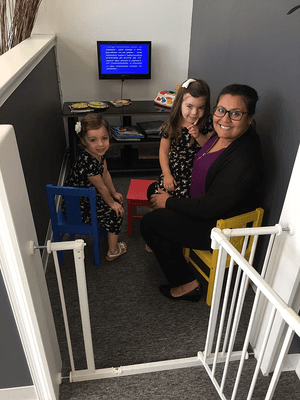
x,y
221,342
222,348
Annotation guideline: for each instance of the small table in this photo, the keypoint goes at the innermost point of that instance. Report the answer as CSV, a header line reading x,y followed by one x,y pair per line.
x,y
136,197
140,107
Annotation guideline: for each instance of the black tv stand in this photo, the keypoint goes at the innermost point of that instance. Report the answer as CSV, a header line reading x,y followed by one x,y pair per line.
x,y
127,120
127,155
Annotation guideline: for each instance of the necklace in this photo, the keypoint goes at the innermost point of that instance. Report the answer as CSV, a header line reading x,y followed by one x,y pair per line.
x,y
207,151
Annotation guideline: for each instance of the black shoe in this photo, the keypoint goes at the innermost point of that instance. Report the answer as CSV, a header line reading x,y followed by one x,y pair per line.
x,y
194,295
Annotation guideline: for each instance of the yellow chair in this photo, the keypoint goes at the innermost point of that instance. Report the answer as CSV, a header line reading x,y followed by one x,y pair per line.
x,y
250,219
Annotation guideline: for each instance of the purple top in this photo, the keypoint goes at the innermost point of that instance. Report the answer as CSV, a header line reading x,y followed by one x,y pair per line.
x,y
202,163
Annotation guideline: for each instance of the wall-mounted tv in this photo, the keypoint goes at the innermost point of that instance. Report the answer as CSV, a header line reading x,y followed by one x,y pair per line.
x,y
124,60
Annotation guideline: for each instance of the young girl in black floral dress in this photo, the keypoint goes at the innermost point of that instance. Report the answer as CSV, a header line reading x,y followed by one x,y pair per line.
x,y
188,128
182,135
90,169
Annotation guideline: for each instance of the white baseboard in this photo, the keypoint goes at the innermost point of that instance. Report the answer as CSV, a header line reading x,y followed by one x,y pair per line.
x,y
19,393
291,363
298,369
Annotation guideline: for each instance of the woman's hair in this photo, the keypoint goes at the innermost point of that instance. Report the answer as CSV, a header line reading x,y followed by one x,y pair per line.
x,y
198,88
248,94
92,122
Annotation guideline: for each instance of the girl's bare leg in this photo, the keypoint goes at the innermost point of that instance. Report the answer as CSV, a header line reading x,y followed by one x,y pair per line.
x,y
112,243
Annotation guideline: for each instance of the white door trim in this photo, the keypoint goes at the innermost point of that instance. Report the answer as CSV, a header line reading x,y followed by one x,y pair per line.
x,y
22,306
19,393
22,271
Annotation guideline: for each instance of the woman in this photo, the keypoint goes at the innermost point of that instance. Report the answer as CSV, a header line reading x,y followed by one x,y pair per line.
x,y
226,178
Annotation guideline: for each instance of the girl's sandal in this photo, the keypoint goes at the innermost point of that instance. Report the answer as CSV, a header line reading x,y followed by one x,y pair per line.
x,y
122,250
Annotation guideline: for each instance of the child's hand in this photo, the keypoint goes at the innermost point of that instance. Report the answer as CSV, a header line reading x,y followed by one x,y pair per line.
x,y
169,183
119,198
193,130
118,209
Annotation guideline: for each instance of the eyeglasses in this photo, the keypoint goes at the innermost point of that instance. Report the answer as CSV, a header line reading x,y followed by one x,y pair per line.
x,y
235,115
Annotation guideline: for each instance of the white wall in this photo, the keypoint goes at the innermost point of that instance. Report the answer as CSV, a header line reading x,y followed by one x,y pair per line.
x,y
283,273
78,24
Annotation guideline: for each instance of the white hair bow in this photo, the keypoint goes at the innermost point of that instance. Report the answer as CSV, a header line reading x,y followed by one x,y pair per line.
x,y
78,127
186,83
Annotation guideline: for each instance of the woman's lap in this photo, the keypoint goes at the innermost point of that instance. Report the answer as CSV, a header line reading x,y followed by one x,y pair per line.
x,y
167,232
180,228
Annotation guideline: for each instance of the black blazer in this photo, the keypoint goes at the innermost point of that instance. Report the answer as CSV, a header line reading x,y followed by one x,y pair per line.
x,y
232,183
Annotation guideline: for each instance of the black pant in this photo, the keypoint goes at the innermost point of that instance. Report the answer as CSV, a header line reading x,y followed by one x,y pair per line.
x,y
166,232
151,190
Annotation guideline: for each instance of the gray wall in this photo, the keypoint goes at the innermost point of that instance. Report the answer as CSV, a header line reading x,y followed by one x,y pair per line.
x,y
14,370
35,113
256,43
34,110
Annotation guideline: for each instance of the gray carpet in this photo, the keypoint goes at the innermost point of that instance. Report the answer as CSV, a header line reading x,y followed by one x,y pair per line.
x,y
133,323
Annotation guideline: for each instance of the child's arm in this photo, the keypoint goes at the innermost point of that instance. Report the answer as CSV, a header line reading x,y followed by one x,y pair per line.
x,y
109,184
100,185
199,137
164,150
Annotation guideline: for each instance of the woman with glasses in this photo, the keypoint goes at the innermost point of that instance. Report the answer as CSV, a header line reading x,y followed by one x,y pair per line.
x,y
226,177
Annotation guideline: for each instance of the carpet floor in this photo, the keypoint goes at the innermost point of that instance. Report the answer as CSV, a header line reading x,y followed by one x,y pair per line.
x,y
132,323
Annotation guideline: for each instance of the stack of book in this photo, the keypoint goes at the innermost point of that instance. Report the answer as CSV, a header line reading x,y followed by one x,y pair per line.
x,y
150,128
122,133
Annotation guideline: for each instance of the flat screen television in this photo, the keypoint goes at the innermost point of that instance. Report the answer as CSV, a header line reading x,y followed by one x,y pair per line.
x,y
124,60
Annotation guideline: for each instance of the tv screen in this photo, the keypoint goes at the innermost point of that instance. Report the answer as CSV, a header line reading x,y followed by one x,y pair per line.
x,y
124,60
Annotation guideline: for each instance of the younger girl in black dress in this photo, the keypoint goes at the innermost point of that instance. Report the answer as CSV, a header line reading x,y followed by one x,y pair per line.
x,y
188,128
90,169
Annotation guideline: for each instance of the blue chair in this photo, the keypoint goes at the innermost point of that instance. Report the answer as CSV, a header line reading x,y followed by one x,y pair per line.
x,y
71,223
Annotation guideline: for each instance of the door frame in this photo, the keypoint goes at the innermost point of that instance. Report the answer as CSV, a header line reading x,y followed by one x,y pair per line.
x,y
22,271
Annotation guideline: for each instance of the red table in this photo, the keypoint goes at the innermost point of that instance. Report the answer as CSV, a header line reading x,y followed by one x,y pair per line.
x,y
136,197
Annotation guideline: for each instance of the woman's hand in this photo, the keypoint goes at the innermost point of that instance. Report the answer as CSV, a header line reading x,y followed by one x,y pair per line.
x,y
159,200
118,209
119,198
169,183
